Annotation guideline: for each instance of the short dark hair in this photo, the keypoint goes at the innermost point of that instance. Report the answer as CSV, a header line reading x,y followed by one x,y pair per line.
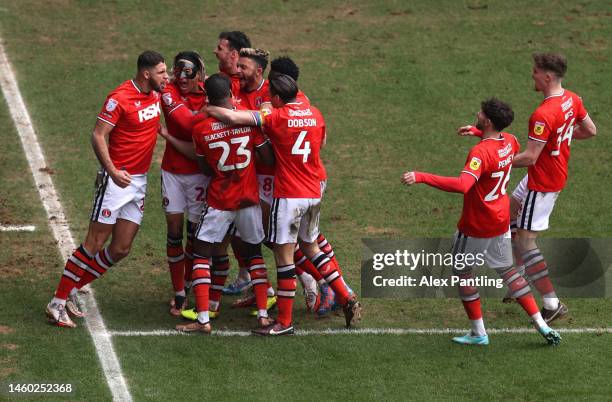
x,y
553,62
285,65
282,85
149,59
259,56
218,88
500,113
236,39
193,57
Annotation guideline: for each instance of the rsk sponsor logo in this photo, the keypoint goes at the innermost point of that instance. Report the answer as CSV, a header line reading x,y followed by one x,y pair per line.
x,y
148,113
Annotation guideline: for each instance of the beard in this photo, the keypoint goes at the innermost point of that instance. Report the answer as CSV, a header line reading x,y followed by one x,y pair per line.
x,y
479,126
157,86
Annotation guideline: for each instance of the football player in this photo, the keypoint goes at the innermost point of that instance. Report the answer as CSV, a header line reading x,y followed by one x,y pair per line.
x,y
129,120
183,185
232,199
560,118
484,227
296,131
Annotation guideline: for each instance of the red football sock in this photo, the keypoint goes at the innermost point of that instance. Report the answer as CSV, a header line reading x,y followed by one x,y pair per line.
x,y
176,263
326,247
259,281
331,275
304,263
101,263
201,282
537,270
529,304
220,271
473,309
73,271
286,292
470,298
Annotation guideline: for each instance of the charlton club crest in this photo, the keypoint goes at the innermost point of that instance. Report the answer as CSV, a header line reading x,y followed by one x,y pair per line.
x,y
167,98
106,213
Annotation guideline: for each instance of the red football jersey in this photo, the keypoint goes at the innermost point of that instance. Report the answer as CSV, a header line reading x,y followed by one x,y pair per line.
x,y
486,206
135,117
229,151
252,100
553,123
179,113
296,131
302,98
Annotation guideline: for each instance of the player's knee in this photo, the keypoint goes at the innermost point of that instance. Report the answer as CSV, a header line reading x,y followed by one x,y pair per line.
x,y
524,241
119,251
175,226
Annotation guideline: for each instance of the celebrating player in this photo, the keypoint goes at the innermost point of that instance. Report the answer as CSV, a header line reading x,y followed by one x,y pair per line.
x,y
228,53
232,199
296,131
254,95
559,118
130,120
183,185
308,275
485,221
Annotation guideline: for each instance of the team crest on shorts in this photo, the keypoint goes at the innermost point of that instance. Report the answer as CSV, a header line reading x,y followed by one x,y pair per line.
x,y
106,213
475,163
538,128
111,104
165,201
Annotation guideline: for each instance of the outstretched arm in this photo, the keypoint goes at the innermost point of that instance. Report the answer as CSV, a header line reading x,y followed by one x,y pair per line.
x,y
235,117
469,131
461,184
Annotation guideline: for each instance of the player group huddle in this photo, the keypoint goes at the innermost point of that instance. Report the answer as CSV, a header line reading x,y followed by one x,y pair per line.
x,y
241,167
500,226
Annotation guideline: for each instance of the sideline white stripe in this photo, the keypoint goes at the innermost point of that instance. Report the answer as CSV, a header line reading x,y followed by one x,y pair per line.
x,y
59,225
14,228
371,331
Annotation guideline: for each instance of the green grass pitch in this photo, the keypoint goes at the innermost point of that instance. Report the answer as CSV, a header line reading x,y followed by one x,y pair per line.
x,y
394,80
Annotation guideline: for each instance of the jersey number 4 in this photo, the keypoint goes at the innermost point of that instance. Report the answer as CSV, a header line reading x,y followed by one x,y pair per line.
x,y
241,151
298,149
500,187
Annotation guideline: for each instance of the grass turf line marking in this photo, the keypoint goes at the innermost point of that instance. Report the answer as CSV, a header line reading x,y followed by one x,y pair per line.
x,y
371,331
14,228
59,225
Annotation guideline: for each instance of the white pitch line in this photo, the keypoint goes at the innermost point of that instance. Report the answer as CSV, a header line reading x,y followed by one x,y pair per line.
x,y
59,225
370,331
16,228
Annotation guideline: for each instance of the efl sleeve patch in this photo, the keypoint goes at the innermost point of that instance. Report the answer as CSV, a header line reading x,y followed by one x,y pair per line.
x,y
111,104
538,128
475,163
